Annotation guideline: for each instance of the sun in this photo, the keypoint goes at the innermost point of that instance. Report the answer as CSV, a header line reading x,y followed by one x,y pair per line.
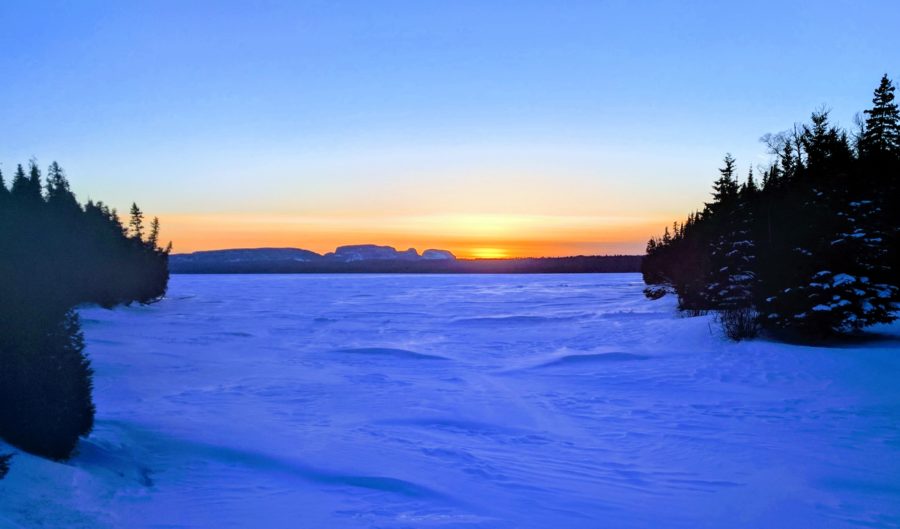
x,y
489,253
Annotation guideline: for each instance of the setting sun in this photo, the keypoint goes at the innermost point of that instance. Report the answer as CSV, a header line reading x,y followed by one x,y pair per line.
x,y
488,253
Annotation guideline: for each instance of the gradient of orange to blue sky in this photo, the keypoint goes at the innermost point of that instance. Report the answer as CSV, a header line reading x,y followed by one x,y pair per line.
x,y
490,128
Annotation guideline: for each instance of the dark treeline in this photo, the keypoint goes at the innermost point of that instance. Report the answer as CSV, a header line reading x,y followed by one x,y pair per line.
x,y
54,255
536,265
811,248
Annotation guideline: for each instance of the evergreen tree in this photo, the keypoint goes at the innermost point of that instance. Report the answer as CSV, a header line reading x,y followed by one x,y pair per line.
x,y
59,196
882,127
47,414
732,274
725,189
879,148
22,187
4,192
34,175
839,294
750,189
723,214
55,256
789,162
815,250
153,238
56,182
136,224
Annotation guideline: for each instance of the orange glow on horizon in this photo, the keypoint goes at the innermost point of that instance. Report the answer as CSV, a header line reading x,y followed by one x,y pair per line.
x,y
467,236
489,253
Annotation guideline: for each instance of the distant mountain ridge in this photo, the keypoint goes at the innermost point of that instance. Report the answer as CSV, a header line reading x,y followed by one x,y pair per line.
x,y
343,254
363,252
245,255
371,258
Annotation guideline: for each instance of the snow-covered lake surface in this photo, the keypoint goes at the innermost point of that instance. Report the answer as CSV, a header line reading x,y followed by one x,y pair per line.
x,y
463,401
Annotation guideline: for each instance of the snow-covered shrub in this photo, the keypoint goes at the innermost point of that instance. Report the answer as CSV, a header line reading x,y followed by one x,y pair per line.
x,y
655,292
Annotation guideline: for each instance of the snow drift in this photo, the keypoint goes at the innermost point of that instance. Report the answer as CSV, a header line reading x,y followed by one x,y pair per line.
x,y
463,402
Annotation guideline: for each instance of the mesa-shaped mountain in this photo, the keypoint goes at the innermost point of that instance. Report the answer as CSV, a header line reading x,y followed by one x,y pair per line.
x,y
343,254
365,252
375,259
242,255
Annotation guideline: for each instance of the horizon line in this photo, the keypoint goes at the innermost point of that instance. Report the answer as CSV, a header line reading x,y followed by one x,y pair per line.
x,y
510,257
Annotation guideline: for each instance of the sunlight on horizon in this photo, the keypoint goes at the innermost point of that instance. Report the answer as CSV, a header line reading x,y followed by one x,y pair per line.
x,y
466,235
488,253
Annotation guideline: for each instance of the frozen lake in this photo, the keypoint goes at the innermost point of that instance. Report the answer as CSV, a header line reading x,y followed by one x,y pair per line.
x,y
560,401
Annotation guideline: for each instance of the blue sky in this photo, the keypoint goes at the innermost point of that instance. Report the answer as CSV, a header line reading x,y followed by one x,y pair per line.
x,y
353,120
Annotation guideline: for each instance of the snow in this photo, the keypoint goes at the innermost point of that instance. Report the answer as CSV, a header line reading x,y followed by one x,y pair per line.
x,y
884,292
548,401
843,279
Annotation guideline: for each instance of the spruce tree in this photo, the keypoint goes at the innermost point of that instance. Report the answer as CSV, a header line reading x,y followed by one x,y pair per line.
x,y
723,212
750,188
815,250
725,189
21,187
839,294
56,181
55,256
882,127
46,390
136,224
733,257
34,178
59,196
4,192
879,148
153,238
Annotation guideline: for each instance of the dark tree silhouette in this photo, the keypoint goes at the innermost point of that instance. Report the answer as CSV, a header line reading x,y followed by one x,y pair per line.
x,y
4,192
813,251
153,238
881,134
136,224
57,255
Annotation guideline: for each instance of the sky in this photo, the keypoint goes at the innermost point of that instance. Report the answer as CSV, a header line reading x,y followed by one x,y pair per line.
x,y
489,128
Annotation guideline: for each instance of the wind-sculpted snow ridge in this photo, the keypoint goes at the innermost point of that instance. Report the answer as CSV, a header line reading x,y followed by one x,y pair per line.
x,y
582,359
463,402
389,353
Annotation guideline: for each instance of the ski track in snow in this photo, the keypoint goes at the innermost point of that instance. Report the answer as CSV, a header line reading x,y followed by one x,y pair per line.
x,y
552,401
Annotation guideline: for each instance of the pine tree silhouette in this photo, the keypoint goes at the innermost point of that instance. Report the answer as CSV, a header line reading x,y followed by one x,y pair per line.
x,y
57,255
153,238
136,224
4,192
882,127
22,187
814,250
